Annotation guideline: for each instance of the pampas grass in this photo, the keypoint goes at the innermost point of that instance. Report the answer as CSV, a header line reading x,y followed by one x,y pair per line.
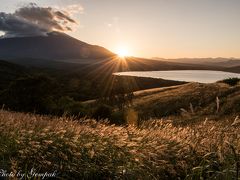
x,y
87,149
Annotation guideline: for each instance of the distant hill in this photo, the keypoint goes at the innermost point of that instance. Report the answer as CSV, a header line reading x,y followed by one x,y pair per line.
x,y
228,63
235,69
54,46
222,62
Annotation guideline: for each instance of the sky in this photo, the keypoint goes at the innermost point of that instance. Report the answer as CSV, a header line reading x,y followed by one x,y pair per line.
x,y
152,28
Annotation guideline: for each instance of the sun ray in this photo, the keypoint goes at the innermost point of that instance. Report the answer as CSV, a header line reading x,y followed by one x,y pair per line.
x,y
102,73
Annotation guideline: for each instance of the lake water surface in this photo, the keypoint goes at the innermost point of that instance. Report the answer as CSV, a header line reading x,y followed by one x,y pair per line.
x,y
201,76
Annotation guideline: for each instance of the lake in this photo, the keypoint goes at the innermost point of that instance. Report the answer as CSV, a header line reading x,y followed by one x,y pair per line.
x,y
201,76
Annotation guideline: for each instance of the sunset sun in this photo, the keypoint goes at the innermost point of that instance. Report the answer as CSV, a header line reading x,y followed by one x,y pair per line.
x,y
122,52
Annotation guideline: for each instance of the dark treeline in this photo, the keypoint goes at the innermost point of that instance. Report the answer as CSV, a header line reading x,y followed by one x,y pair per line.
x,y
58,92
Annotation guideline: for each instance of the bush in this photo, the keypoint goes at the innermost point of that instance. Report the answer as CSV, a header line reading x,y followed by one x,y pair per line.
x,y
102,111
68,106
231,81
231,106
117,117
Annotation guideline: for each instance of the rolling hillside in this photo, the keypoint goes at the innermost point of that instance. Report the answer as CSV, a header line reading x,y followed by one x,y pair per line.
x,y
194,99
87,149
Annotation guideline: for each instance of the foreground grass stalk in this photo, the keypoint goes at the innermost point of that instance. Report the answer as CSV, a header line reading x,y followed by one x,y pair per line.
x,y
87,149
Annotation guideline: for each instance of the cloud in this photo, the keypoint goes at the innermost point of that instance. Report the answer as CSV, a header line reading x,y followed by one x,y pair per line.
x,y
74,8
33,20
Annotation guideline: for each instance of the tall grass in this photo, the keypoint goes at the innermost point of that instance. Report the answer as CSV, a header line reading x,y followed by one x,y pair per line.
x,y
86,149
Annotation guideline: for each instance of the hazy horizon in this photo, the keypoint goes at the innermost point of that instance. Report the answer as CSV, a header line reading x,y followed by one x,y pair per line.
x,y
154,28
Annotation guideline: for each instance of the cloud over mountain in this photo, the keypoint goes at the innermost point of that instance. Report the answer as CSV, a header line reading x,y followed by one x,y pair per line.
x,y
32,20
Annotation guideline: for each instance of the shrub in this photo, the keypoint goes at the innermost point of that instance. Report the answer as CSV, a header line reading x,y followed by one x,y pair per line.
x,y
117,117
231,106
231,81
68,106
102,111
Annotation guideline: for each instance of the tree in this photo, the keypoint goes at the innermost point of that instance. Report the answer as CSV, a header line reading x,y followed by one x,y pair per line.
x,y
30,94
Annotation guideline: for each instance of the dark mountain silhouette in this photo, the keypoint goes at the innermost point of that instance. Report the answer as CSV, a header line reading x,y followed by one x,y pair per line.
x,y
61,51
54,46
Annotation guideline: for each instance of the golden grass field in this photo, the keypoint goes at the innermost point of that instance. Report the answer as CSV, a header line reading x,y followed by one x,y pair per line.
x,y
190,100
86,149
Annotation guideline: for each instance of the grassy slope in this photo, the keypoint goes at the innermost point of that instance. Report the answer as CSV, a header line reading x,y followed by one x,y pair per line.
x,y
157,149
161,102
89,149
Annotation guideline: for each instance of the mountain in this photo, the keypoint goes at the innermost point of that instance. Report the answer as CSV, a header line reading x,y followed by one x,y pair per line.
x,y
54,46
60,51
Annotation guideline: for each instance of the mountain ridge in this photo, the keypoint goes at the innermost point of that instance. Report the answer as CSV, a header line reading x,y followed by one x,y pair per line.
x,y
59,50
56,46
